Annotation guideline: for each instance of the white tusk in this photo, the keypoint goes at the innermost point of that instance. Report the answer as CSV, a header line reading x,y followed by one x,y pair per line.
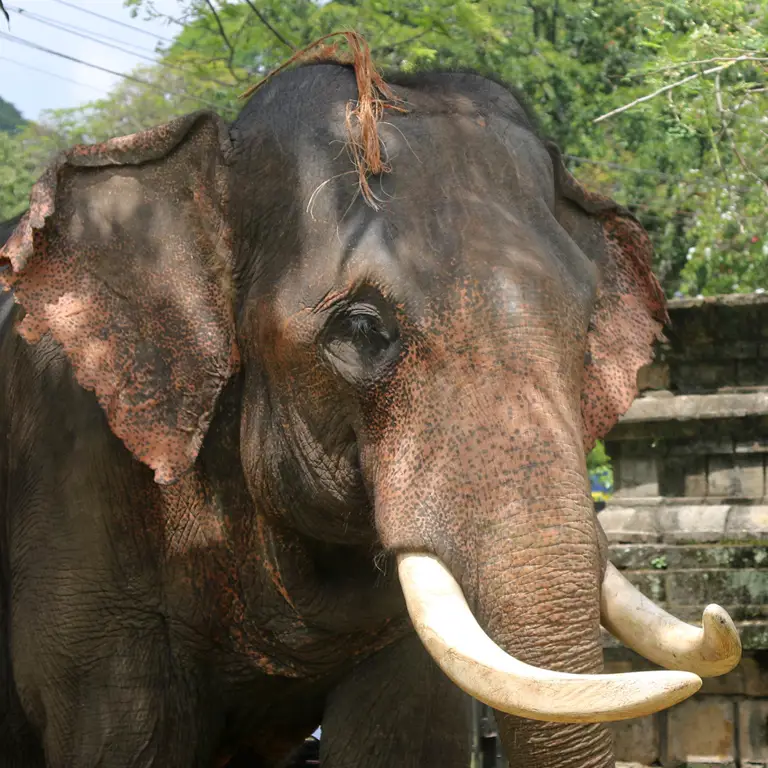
x,y
710,650
453,638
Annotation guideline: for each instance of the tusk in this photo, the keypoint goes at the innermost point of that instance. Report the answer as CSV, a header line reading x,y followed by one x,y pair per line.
x,y
454,639
710,650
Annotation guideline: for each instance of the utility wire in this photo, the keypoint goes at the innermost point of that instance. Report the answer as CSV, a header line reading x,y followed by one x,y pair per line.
x,y
115,21
63,24
52,74
85,36
131,27
57,25
132,78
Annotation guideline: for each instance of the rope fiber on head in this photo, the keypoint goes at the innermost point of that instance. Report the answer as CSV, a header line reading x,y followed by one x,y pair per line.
x,y
362,117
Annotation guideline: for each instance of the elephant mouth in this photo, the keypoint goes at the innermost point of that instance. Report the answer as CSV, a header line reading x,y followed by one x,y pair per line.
x,y
465,653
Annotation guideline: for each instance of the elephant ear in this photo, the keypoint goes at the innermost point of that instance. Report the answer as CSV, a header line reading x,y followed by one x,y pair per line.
x,y
630,310
124,258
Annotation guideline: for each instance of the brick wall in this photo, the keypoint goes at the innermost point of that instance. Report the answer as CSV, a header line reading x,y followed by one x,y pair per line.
x,y
689,523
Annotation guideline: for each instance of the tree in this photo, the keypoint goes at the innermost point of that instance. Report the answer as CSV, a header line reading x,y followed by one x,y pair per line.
x,y
660,104
10,117
23,156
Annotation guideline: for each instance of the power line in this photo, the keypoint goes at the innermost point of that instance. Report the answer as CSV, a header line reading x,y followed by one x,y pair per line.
x,y
132,78
85,36
67,26
53,74
133,28
115,21
57,25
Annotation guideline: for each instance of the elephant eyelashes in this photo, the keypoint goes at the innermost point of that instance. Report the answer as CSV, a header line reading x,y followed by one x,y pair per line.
x,y
367,332
362,338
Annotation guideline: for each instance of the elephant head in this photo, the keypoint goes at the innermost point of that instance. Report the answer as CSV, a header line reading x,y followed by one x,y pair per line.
x,y
422,376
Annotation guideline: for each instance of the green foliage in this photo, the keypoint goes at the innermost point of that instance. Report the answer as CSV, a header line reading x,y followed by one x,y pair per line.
x,y
23,156
690,161
598,457
10,117
600,471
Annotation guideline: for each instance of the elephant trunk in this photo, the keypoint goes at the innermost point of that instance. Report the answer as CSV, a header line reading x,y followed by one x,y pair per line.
x,y
492,506
542,607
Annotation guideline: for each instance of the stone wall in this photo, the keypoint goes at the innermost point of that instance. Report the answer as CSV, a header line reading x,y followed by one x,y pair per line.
x,y
689,522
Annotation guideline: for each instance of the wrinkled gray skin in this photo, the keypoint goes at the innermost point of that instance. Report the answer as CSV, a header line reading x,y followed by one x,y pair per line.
x,y
409,380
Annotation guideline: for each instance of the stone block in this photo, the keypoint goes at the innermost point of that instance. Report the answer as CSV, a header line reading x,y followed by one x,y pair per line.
x,y
634,556
707,445
749,523
687,556
650,583
739,350
754,635
753,732
736,476
635,476
708,350
692,523
751,373
636,740
703,376
629,524
758,444
684,475
747,586
754,666
732,684
653,376
701,731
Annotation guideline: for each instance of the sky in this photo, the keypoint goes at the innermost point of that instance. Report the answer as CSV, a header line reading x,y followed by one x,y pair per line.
x,y
63,83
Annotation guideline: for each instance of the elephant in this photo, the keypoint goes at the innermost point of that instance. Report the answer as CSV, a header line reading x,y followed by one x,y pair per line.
x,y
295,412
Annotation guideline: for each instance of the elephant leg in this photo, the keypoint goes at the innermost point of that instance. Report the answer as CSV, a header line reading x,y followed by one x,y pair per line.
x,y
19,745
123,702
396,709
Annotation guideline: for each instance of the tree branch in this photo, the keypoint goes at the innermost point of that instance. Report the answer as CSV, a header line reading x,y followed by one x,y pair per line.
x,y
385,50
263,19
684,64
229,45
669,87
221,28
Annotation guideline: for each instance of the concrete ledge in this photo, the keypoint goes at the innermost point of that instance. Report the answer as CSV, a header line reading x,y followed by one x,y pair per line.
x,y
722,300
683,523
696,407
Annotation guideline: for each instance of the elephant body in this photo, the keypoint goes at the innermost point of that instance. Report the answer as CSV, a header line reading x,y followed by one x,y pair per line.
x,y
237,388
175,626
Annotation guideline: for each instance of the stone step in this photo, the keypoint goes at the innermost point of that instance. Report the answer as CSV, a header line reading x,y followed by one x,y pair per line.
x,y
640,557
743,586
685,524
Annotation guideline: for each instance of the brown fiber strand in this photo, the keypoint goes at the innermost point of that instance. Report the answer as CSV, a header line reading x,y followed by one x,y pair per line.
x,y
362,118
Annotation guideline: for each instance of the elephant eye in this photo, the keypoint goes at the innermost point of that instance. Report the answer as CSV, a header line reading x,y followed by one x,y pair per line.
x,y
365,329
362,338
